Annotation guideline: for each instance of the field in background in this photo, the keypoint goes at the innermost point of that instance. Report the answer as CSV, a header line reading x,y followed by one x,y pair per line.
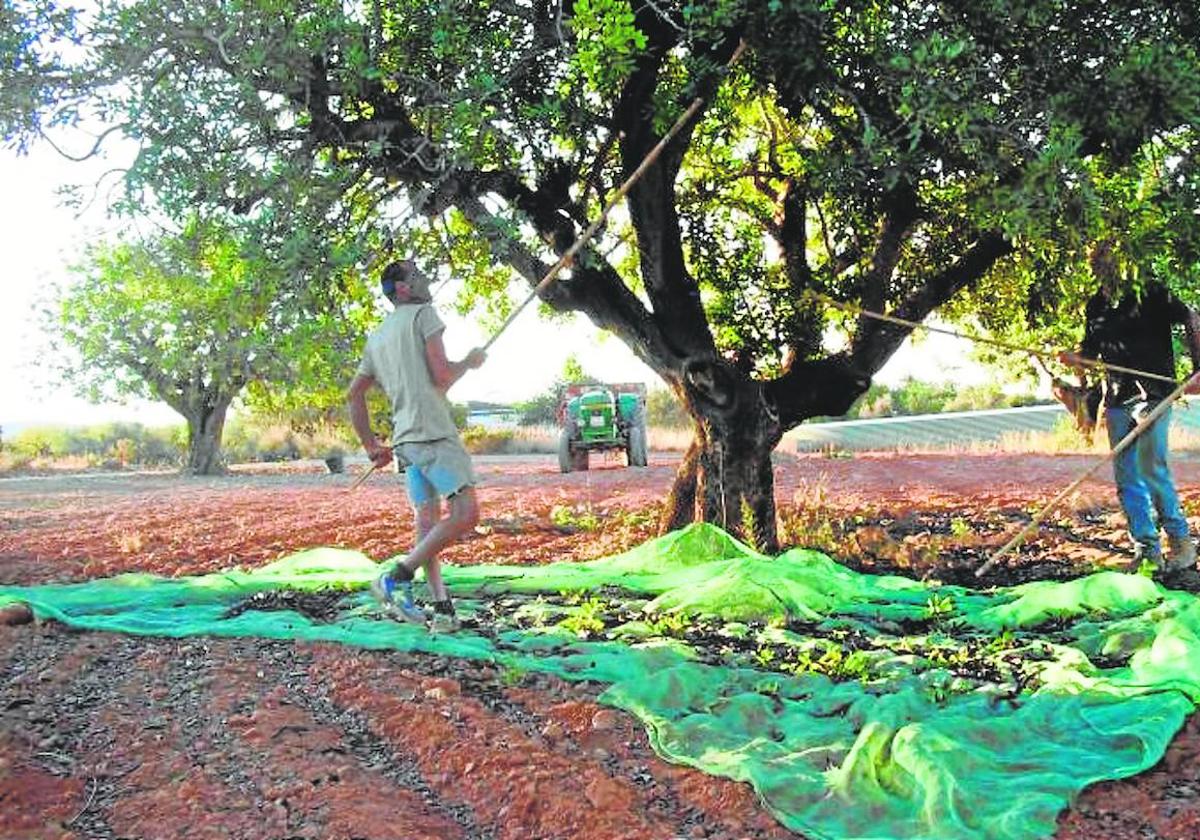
x,y
118,446
534,440
1014,431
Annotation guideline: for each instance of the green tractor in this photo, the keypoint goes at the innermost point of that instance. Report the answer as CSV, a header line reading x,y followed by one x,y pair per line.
x,y
602,418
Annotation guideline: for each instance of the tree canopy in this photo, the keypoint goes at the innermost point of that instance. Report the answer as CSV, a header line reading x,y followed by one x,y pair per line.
x,y
904,157
192,320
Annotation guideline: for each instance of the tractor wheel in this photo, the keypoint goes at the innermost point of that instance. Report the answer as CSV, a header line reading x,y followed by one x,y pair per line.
x,y
579,460
635,449
564,450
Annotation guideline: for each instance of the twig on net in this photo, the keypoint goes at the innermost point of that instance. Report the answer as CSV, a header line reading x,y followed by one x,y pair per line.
x,y
91,798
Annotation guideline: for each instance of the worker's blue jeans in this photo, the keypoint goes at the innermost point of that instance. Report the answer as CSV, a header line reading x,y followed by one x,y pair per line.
x,y
1144,483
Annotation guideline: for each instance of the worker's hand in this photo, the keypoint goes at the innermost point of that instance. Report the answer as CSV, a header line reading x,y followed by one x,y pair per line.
x,y
379,454
1193,384
475,358
1071,359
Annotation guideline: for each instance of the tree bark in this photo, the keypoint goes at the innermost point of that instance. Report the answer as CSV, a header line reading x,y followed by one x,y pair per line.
x,y
680,508
206,424
735,480
726,476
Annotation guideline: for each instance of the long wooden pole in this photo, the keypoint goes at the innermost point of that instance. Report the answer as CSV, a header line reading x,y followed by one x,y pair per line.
x,y
363,477
585,237
1125,443
979,339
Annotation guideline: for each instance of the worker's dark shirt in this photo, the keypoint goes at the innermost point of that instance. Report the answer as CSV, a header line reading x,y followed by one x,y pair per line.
x,y
1134,333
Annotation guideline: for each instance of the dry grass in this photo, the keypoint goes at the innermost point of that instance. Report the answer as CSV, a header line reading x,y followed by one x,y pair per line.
x,y
17,463
533,440
665,439
806,522
130,543
529,440
1058,442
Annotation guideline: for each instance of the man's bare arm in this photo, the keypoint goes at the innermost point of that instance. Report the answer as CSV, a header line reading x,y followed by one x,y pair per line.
x,y
356,400
443,371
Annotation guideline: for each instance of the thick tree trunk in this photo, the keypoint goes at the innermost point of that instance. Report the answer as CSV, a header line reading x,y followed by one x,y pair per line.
x,y
735,482
206,424
726,477
680,508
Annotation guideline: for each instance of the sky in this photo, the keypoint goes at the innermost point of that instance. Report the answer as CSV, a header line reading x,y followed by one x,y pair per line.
x,y
41,238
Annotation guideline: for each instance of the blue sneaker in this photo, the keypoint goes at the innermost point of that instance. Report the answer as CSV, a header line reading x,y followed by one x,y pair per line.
x,y
385,588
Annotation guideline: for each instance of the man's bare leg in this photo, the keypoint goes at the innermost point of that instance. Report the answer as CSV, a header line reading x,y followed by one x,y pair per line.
x,y
426,516
463,517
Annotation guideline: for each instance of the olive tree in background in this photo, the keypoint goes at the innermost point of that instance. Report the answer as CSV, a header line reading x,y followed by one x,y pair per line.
x,y
192,320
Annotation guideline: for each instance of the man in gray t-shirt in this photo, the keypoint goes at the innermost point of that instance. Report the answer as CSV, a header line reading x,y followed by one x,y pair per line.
x,y
405,357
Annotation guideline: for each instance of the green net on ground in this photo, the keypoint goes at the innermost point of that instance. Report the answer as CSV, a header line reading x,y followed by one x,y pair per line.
x,y
856,705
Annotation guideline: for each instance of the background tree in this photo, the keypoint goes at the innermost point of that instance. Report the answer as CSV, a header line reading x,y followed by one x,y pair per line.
x,y
1146,212
664,409
192,320
892,155
542,409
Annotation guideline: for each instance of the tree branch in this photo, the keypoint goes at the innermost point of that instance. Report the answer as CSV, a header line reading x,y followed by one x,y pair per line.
x,y
874,345
593,288
95,146
900,213
793,236
673,293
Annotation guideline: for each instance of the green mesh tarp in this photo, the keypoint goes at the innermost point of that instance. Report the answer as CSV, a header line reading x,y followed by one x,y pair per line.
x,y
856,705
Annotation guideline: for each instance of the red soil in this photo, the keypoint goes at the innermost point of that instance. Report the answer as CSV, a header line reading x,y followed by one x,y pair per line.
x,y
135,737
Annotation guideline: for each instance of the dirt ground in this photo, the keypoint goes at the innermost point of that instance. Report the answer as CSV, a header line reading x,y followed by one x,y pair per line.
x,y
107,736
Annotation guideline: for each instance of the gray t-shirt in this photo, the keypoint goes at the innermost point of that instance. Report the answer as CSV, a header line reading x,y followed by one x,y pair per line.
x,y
395,358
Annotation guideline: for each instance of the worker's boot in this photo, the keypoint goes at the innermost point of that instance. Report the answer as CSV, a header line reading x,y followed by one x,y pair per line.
x,y
1146,553
1181,554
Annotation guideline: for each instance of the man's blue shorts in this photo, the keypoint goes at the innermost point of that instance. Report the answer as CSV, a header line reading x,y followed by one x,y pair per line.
x,y
434,468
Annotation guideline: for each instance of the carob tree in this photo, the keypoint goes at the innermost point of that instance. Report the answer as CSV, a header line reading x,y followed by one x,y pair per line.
x,y
898,156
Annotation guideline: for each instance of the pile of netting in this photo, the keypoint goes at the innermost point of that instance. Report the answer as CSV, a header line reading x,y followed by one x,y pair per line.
x,y
856,705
